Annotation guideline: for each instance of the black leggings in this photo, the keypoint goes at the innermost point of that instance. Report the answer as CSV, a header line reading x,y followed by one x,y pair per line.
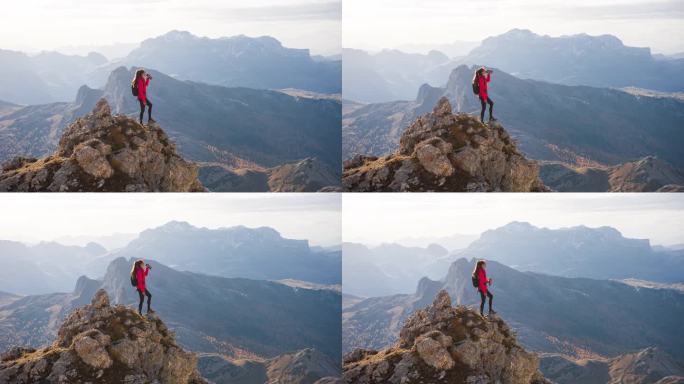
x,y
484,106
142,109
483,298
142,299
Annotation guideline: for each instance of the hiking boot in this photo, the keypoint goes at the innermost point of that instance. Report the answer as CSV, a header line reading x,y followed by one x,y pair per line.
x,y
492,312
151,121
493,119
150,310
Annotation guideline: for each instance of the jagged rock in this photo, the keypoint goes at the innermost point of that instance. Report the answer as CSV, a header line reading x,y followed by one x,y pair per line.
x,y
99,343
441,151
101,152
445,344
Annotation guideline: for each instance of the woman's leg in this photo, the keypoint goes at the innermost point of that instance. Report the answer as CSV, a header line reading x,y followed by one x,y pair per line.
x,y
149,110
491,297
491,106
142,110
142,298
482,301
149,300
484,106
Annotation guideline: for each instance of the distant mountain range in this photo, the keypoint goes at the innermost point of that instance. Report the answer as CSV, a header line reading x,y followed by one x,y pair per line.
x,y
390,268
239,129
239,61
598,253
575,124
235,318
573,316
599,61
259,253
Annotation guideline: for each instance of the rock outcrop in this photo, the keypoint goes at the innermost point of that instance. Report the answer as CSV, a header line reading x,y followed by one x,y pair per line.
x,y
442,151
101,152
445,344
100,343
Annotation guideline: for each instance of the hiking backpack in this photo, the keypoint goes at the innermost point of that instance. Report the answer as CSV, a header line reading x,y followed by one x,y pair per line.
x,y
134,280
476,280
476,88
134,89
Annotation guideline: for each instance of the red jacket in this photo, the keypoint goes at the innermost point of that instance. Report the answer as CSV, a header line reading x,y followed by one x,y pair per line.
x,y
482,82
482,281
140,274
142,88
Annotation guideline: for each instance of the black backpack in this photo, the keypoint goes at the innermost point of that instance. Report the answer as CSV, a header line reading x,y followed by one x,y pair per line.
x,y
476,88
134,89
134,280
476,280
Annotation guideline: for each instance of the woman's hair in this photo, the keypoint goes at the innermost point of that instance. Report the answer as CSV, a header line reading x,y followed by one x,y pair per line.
x,y
478,266
138,74
137,264
478,73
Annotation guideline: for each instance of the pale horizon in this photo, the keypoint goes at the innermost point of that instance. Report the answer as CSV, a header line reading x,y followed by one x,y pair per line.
x,y
387,218
434,22
49,26
30,218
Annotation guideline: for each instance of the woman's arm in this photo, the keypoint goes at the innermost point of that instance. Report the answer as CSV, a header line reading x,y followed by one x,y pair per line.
x,y
489,76
147,270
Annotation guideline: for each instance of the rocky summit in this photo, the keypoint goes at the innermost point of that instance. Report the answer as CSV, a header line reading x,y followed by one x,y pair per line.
x,y
101,152
100,343
442,151
445,344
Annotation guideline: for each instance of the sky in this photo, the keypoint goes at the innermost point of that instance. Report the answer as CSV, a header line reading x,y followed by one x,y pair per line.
x,y
35,25
377,218
33,217
375,24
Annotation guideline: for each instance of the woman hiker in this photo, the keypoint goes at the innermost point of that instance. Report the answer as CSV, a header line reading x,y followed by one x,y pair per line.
x,y
138,274
481,78
482,282
139,87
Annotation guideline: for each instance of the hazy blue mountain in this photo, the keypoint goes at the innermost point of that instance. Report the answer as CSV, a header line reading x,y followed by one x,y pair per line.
x,y
390,75
259,253
237,61
240,128
600,253
45,267
601,61
209,314
574,124
45,77
573,316
390,268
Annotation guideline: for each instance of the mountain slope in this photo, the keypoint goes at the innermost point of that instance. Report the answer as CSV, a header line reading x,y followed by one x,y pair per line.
x,y
443,344
599,253
302,367
101,343
575,124
101,152
649,365
649,174
239,128
601,61
441,151
233,317
572,316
